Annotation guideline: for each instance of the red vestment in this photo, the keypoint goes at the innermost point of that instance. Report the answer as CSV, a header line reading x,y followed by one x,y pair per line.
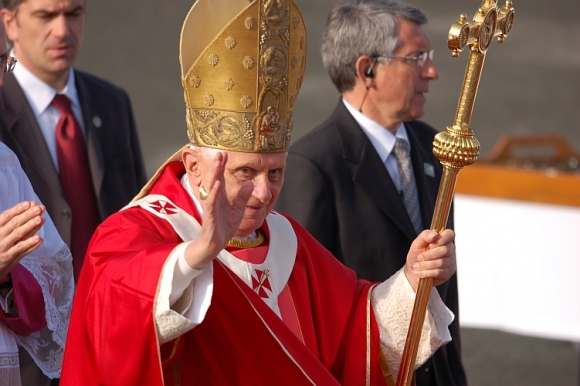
x,y
112,338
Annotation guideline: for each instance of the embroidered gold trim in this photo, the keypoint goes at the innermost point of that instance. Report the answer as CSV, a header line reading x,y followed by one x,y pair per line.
x,y
264,88
249,22
248,243
228,83
386,368
368,328
230,42
296,22
246,101
296,313
248,62
176,374
208,99
213,59
174,350
195,81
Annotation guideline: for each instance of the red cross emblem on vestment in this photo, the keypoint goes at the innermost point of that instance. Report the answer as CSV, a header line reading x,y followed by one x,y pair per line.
x,y
163,207
261,281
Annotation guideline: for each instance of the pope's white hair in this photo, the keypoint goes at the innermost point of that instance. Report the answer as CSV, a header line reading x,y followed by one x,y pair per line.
x,y
206,152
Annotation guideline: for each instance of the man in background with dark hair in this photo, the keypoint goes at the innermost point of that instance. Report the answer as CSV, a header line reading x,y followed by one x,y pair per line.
x,y
36,275
73,133
364,182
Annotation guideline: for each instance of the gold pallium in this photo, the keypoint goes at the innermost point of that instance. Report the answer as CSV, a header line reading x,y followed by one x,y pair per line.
x,y
248,243
261,54
456,147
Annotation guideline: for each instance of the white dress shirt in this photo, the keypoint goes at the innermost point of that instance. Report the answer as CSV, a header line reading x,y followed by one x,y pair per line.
x,y
383,141
40,96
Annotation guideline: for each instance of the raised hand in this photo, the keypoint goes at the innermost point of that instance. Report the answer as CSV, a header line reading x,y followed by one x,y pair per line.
x,y
18,226
438,262
222,215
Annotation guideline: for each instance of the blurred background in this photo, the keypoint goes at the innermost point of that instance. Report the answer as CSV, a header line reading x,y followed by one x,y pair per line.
x,y
530,85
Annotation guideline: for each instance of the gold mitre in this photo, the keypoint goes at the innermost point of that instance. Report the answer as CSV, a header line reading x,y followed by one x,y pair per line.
x,y
242,65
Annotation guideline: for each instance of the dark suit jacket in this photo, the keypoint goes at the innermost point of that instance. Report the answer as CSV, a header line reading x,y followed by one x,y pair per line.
x,y
117,168
338,188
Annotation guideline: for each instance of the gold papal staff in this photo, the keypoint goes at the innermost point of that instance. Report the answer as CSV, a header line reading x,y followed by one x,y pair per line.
x,y
456,147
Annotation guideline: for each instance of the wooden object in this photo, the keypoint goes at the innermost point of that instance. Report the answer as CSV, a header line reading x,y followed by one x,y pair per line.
x,y
536,168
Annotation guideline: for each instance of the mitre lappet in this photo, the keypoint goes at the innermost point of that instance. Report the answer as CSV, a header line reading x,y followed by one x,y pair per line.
x,y
242,65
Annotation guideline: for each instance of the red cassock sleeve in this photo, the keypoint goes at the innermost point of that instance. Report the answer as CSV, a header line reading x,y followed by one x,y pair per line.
x,y
29,302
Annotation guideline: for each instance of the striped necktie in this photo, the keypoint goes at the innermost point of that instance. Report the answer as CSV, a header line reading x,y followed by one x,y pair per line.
x,y
408,185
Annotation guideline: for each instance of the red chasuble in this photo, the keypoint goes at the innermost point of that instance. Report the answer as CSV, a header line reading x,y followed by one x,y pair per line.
x,y
112,338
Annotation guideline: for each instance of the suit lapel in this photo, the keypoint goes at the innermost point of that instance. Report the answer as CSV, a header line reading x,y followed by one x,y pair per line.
x,y
26,133
369,172
92,121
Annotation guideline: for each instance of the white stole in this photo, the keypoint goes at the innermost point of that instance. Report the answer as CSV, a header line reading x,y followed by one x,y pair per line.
x,y
279,260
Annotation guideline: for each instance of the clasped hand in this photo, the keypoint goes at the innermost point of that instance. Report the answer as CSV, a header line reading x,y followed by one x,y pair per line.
x,y
18,226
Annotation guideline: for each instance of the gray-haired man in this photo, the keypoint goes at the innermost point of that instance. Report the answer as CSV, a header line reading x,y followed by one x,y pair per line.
x,y
350,182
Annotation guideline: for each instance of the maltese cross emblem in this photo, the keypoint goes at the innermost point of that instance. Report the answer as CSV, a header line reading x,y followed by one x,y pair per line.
x,y
163,207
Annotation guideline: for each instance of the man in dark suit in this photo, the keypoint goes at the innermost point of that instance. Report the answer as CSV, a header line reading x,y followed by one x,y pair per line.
x,y
46,41
346,181
74,134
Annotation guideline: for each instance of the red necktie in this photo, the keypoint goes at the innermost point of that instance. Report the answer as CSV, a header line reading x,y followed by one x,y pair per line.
x,y
75,176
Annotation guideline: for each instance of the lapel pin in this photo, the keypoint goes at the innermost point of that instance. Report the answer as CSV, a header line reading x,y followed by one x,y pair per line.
x,y
429,169
97,121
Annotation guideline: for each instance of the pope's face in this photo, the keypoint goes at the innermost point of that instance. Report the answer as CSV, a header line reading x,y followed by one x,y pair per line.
x,y
266,171
47,35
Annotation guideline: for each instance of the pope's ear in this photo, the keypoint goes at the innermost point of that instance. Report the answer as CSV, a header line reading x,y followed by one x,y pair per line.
x,y
191,160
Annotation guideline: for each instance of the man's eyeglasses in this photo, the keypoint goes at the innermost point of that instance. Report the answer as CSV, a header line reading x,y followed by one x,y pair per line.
x,y
420,59
7,63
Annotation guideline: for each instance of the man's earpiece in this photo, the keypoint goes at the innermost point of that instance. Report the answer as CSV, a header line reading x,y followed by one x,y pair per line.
x,y
370,73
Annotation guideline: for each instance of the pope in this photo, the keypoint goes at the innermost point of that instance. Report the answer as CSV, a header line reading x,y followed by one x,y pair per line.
x,y
199,281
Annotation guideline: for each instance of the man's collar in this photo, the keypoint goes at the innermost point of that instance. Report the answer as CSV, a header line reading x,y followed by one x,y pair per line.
x,y
381,138
40,94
